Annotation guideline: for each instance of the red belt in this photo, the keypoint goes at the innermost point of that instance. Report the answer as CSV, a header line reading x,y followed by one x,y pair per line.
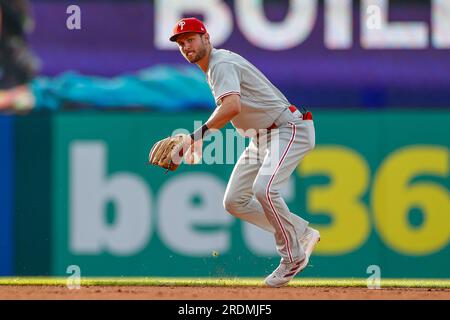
x,y
307,115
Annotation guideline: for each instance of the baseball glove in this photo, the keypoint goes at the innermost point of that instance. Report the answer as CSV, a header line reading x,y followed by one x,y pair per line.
x,y
168,153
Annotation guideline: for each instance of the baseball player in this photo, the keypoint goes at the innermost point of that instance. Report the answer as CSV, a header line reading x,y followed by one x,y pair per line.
x,y
280,134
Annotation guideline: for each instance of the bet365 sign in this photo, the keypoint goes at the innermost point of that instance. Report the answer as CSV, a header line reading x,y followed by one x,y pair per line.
x,y
392,190
375,186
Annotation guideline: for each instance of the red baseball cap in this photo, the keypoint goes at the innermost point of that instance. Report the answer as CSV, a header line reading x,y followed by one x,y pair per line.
x,y
187,25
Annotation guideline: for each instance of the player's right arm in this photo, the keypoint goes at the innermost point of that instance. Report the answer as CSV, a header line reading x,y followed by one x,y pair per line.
x,y
225,82
230,107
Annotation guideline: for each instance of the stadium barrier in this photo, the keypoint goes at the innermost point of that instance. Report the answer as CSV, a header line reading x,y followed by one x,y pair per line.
x,y
376,186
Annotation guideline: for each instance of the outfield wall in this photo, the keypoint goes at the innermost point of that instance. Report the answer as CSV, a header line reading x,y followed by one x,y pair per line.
x,y
376,186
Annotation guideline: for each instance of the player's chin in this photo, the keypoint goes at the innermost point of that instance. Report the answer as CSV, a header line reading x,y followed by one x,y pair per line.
x,y
192,59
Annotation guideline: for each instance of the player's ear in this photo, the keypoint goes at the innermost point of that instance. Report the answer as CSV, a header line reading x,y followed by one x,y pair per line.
x,y
206,36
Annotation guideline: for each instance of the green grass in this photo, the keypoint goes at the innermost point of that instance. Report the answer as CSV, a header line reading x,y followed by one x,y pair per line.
x,y
224,282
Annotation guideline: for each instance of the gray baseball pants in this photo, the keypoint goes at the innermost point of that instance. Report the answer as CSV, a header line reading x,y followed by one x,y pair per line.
x,y
253,192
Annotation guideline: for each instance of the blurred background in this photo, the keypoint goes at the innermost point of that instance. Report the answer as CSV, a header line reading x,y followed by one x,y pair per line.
x,y
87,87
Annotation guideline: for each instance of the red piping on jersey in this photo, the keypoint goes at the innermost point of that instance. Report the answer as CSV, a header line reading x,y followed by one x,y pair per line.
x,y
227,94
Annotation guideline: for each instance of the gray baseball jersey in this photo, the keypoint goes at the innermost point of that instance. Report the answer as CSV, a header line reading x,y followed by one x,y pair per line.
x,y
253,192
261,102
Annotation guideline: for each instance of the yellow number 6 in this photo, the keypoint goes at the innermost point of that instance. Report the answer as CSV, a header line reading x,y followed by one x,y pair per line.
x,y
394,194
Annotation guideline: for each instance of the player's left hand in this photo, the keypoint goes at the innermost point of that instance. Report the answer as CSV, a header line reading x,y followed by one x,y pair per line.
x,y
168,153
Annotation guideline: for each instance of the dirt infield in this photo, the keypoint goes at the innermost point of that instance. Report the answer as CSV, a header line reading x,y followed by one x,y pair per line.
x,y
218,293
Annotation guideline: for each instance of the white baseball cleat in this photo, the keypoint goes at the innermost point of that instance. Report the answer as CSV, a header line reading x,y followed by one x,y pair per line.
x,y
309,240
285,272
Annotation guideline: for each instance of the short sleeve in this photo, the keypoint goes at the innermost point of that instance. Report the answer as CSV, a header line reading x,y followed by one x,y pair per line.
x,y
225,80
